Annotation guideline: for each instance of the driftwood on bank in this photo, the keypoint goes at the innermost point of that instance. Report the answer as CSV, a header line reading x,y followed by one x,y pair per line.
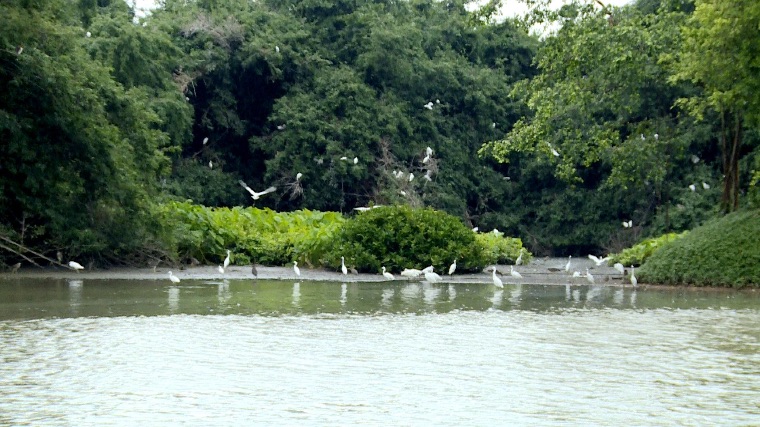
x,y
21,249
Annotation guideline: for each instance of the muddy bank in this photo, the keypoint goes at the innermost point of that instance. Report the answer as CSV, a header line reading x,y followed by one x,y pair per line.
x,y
550,271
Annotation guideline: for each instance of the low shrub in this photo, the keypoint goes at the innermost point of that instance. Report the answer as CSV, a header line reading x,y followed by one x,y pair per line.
x,y
638,253
723,252
399,237
499,249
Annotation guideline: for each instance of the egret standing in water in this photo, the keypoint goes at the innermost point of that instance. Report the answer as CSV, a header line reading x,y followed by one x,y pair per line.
x,y
453,268
387,275
634,280
76,266
567,266
343,266
496,281
514,273
296,269
589,277
173,278
227,260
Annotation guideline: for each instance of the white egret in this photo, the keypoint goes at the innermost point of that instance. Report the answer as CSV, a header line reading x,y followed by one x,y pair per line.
x,y
411,272
296,269
426,159
643,138
437,101
705,185
88,34
277,49
220,269
475,229
519,258
576,274
411,176
432,277
514,273
254,194
693,187
362,209
173,278
227,260
589,276
343,266
356,160
567,266
493,125
344,158
694,159
19,50
634,281
619,267
429,106
427,176
428,269
76,266
453,268
598,261
281,127
205,140
387,275
555,153
210,165
656,137
496,281
429,151
628,224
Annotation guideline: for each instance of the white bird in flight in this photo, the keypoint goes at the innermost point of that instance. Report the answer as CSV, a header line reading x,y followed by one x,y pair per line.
x,y
76,266
254,194
598,261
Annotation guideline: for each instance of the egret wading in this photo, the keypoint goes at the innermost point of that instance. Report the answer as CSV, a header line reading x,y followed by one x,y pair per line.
x,y
173,278
453,268
634,280
496,281
343,266
514,273
296,269
227,260
76,266
567,266
387,275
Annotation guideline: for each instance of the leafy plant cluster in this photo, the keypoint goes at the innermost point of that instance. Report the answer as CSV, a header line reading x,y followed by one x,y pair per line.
x,y
723,252
638,253
253,235
500,249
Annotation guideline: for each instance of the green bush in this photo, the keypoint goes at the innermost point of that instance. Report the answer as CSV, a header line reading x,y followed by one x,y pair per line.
x,y
638,253
263,235
399,237
723,252
498,249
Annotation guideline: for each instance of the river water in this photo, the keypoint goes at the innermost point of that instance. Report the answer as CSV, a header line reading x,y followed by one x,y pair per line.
x,y
207,353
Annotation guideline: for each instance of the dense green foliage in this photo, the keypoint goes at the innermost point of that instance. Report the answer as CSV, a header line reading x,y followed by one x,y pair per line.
x,y
646,113
399,237
723,252
499,249
253,235
638,253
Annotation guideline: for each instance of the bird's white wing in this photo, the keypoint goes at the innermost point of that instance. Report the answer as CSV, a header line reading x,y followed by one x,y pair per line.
x,y
594,258
268,190
250,190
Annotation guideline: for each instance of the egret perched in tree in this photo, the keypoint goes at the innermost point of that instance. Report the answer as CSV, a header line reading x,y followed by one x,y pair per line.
x,y
634,281
356,160
429,105
598,261
296,269
173,278
205,140
411,176
344,158
514,273
343,266
88,34
227,260
426,159
429,151
693,187
705,185
496,281
694,159
387,275
298,176
567,266
453,268
589,276
254,194
210,165
628,224
277,49
76,266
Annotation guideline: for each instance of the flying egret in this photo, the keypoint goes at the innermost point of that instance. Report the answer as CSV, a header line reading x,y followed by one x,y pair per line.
x,y
76,266
173,278
567,266
496,281
598,261
693,187
519,258
634,281
296,269
619,267
254,194
220,269
514,273
387,275
589,276
343,266
227,260
453,268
